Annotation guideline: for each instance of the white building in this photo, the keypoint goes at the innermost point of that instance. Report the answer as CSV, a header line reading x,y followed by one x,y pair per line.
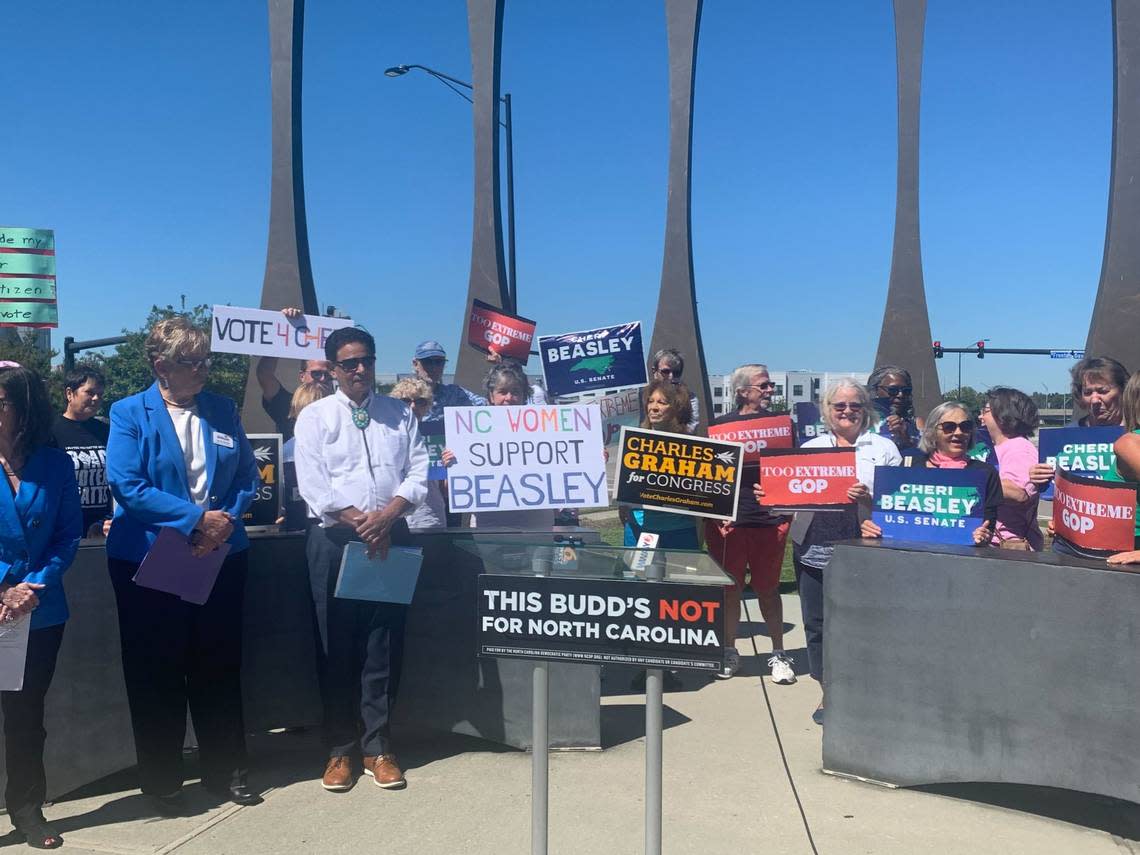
x,y
792,387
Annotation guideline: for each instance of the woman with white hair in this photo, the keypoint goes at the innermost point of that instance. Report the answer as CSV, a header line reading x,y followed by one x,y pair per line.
x,y
947,439
847,413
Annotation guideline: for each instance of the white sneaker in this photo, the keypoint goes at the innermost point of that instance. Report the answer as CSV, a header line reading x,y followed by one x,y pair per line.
x,y
781,666
731,664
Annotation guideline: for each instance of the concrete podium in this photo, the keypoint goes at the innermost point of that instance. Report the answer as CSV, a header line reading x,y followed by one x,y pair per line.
x,y
444,687
951,664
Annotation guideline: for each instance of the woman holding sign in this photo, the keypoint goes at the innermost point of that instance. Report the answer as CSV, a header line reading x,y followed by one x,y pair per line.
x,y
946,441
1010,417
178,459
848,414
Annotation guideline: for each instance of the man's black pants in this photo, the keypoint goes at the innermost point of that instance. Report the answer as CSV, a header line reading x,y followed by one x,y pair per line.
x,y
360,651
176,653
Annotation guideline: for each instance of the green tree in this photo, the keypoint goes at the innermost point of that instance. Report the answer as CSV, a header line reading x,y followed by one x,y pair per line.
x,y
128,371
22,349
968,397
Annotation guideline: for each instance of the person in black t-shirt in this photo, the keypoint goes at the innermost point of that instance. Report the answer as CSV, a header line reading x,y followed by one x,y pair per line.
x,y
275,398
84,437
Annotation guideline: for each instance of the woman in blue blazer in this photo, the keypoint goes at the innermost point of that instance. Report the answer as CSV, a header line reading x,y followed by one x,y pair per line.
x,y
177,458
40,525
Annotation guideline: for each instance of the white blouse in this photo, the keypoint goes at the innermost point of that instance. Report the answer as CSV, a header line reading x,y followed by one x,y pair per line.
x,y
188,427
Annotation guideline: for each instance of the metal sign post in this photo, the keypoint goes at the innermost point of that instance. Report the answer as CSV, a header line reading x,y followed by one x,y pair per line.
x,y
540,737
654,682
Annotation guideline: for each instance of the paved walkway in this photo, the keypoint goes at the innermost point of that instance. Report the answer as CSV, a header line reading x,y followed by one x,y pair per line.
x,y
725,792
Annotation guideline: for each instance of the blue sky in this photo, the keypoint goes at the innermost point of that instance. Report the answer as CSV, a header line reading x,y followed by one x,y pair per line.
x,y
140,133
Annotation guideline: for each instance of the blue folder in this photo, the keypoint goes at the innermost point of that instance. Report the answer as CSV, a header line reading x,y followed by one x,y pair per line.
x,y
390,581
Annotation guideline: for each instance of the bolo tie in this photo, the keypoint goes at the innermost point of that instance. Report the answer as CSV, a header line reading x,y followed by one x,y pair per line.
x,y
360,418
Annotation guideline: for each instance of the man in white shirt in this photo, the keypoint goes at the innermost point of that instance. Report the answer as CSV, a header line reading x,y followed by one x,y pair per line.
x,y
361,466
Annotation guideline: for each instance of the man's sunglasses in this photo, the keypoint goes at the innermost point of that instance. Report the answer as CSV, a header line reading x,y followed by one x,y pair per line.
x,y
762,386
350,365
895,391
669,372
949,428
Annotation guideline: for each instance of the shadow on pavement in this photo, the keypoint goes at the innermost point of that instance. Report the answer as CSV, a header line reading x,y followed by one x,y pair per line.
x,y
1102,813
623,723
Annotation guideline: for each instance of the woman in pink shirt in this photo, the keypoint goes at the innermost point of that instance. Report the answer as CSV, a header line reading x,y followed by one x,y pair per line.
x,y
1011,418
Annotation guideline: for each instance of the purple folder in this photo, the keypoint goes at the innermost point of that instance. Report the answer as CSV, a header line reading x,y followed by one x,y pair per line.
x,y
169,566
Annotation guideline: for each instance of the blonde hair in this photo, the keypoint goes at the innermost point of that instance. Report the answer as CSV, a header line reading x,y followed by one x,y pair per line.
x,y
174,338
412,387
1130,403
305,394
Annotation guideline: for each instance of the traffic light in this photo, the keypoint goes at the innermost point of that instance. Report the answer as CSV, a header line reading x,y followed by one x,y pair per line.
x,y
937,350
981,350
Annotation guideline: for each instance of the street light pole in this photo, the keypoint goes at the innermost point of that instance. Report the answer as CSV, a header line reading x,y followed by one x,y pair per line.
x,y
447,80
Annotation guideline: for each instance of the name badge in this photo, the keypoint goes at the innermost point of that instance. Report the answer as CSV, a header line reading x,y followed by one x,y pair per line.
x,y
224,440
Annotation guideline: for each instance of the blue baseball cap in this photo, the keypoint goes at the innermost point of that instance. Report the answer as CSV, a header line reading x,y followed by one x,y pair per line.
x,y
430,350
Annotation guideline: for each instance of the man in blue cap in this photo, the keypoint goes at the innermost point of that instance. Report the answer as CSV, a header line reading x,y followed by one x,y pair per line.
x,y
429,362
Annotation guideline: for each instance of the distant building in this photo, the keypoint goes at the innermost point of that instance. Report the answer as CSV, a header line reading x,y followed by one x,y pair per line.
x,y
792,387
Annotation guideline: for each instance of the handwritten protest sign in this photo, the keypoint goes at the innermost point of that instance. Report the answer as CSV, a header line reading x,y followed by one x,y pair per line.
x,y
678,473
510,335
1086,451
27,278
260,332
809,424
587,361
623,409
1094,518
814,479
929,505
525,458
755,433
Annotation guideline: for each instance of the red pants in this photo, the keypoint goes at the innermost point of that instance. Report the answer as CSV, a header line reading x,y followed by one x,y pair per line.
x,y
759,548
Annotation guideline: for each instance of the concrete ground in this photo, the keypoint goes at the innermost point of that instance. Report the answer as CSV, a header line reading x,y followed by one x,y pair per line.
x,y
725,792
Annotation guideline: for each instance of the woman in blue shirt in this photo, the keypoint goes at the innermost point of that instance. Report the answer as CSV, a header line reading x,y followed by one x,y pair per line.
x,y
40,525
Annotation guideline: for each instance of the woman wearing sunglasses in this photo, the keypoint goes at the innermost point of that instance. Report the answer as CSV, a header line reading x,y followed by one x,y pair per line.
x,y
417,394
892,395
848,414
946,440
177,458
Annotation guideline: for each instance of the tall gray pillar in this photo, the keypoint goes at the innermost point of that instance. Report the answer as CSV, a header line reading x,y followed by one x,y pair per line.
x,y
488,279
288,274
1116,314
905,338
676,324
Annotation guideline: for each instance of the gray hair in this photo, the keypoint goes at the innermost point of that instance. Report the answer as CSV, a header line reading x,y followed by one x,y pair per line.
x,y
861,395
507,371
672,357
882,372
928,443
743,375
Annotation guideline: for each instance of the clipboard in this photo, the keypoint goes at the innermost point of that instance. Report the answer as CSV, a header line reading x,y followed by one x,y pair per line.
x,y
392,580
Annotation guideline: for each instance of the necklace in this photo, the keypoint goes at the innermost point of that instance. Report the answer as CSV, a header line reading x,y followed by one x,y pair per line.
x,y
360,417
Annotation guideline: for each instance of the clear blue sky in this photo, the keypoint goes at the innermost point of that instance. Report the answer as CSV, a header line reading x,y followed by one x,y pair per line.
x,y
140,133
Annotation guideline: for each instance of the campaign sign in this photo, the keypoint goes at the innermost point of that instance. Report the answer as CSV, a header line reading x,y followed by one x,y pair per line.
x,y
525,458
260,332
621,409
756,433
1094,518
605,358
808,479
809,424
603,621
266,507
436,442
678,473
983,448
929,505
510,335
1086,451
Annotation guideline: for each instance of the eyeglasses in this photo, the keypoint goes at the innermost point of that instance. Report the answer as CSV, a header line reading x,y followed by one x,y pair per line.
x,y
319,375
194,364
949,428
349,366
433,361
987,409
419,402
669,372
761,386
843,406
895,391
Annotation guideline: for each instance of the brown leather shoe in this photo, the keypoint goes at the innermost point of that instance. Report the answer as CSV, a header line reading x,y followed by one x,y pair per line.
x,y
385,772
338,775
